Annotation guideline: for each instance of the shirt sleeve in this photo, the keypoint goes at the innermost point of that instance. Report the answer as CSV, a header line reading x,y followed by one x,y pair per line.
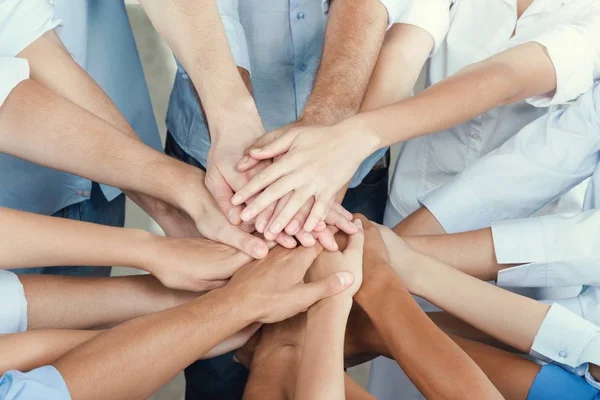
x,y
575,53
568,340
433,16
12,72
558,250
542,162
230,16
41,383
13,313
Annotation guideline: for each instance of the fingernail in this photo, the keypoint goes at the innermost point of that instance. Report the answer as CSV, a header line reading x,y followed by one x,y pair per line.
x,y
244,160
275,227
358,223
345,278
236,200
258,251
235,359
231,216
246,214
293,227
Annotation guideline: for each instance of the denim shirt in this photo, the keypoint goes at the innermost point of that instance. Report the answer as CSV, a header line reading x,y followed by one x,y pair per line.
x,y
98,34
284,40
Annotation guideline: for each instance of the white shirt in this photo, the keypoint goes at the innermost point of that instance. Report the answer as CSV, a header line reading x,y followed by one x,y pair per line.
x,y
13,305
568,29
21,23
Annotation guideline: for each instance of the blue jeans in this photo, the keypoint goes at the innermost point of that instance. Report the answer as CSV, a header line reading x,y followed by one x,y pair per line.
x,y
553,382
221,378
95,210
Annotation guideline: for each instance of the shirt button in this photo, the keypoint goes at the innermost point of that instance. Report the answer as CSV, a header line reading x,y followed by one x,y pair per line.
x,y
300,16
302,67
52,2
185,76
563,354
477,136
86,193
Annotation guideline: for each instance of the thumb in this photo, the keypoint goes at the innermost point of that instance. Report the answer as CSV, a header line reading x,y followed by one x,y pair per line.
x,y
247,162
308,294
244,241
276,147
356,241
222,194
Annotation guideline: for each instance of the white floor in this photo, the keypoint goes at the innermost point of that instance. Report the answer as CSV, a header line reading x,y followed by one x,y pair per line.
x,y
159,68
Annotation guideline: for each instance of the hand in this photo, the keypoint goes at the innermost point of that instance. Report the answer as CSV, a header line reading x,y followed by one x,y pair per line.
x,y
274,286
192,264
229,143
351,259
317,162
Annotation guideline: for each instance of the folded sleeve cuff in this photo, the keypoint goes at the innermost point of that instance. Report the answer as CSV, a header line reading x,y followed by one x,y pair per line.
x,y
565,44
456,207
433,16
519,241
13,313
12,72
566,339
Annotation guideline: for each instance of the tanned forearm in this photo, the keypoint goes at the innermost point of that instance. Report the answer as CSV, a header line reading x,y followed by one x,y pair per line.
x,y
57,302
355,33
321,374
392,310
508,77
194,31
156,339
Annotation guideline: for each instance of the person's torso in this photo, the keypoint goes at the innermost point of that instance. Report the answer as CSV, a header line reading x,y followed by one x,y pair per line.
x,y
477,31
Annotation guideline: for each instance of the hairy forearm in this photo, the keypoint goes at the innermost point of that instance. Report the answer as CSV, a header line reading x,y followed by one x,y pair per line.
x,y
503,79
486,307
321,374
194,31
414,340
353,39
168,341
29,350
58,134
57,302
470,252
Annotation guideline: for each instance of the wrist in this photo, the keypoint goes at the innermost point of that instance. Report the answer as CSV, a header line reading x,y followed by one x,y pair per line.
x,y
140,250
219,121
356,131
340,304
192,193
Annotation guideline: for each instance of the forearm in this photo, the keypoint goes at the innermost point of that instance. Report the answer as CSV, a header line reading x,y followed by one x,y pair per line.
x,y
321,374
194,31
73,140
168,341
29,350
414,340
470,252
56,302
354,391
503,79
355,32
486,307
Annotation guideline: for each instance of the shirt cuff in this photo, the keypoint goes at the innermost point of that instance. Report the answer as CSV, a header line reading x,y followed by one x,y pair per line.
x,y
13,315
565,44
519,241
41,383
13,71
456,208
433,16
566,339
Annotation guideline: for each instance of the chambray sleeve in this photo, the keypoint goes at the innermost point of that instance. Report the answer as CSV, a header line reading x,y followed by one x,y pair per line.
x,y
228,9
13,309
43,383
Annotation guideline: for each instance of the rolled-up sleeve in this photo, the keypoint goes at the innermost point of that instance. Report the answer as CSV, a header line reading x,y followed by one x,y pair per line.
x,y
42,383
568,340
13,313
575,52
12,72
558,250
230,16
433,16
542,162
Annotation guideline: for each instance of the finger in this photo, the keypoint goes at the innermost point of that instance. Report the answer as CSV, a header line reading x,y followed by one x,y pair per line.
x,y
300,218
308,294
280,205
338,220
276,147
286,241
273,193
262,219
356,242
243,241
296,202
222,194
318,212
247,163
302,258
327,240
265,178
306,239
321,226
340,209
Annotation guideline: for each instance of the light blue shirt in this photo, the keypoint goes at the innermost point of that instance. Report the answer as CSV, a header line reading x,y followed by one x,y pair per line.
x,y
43,383
280,42
98,34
